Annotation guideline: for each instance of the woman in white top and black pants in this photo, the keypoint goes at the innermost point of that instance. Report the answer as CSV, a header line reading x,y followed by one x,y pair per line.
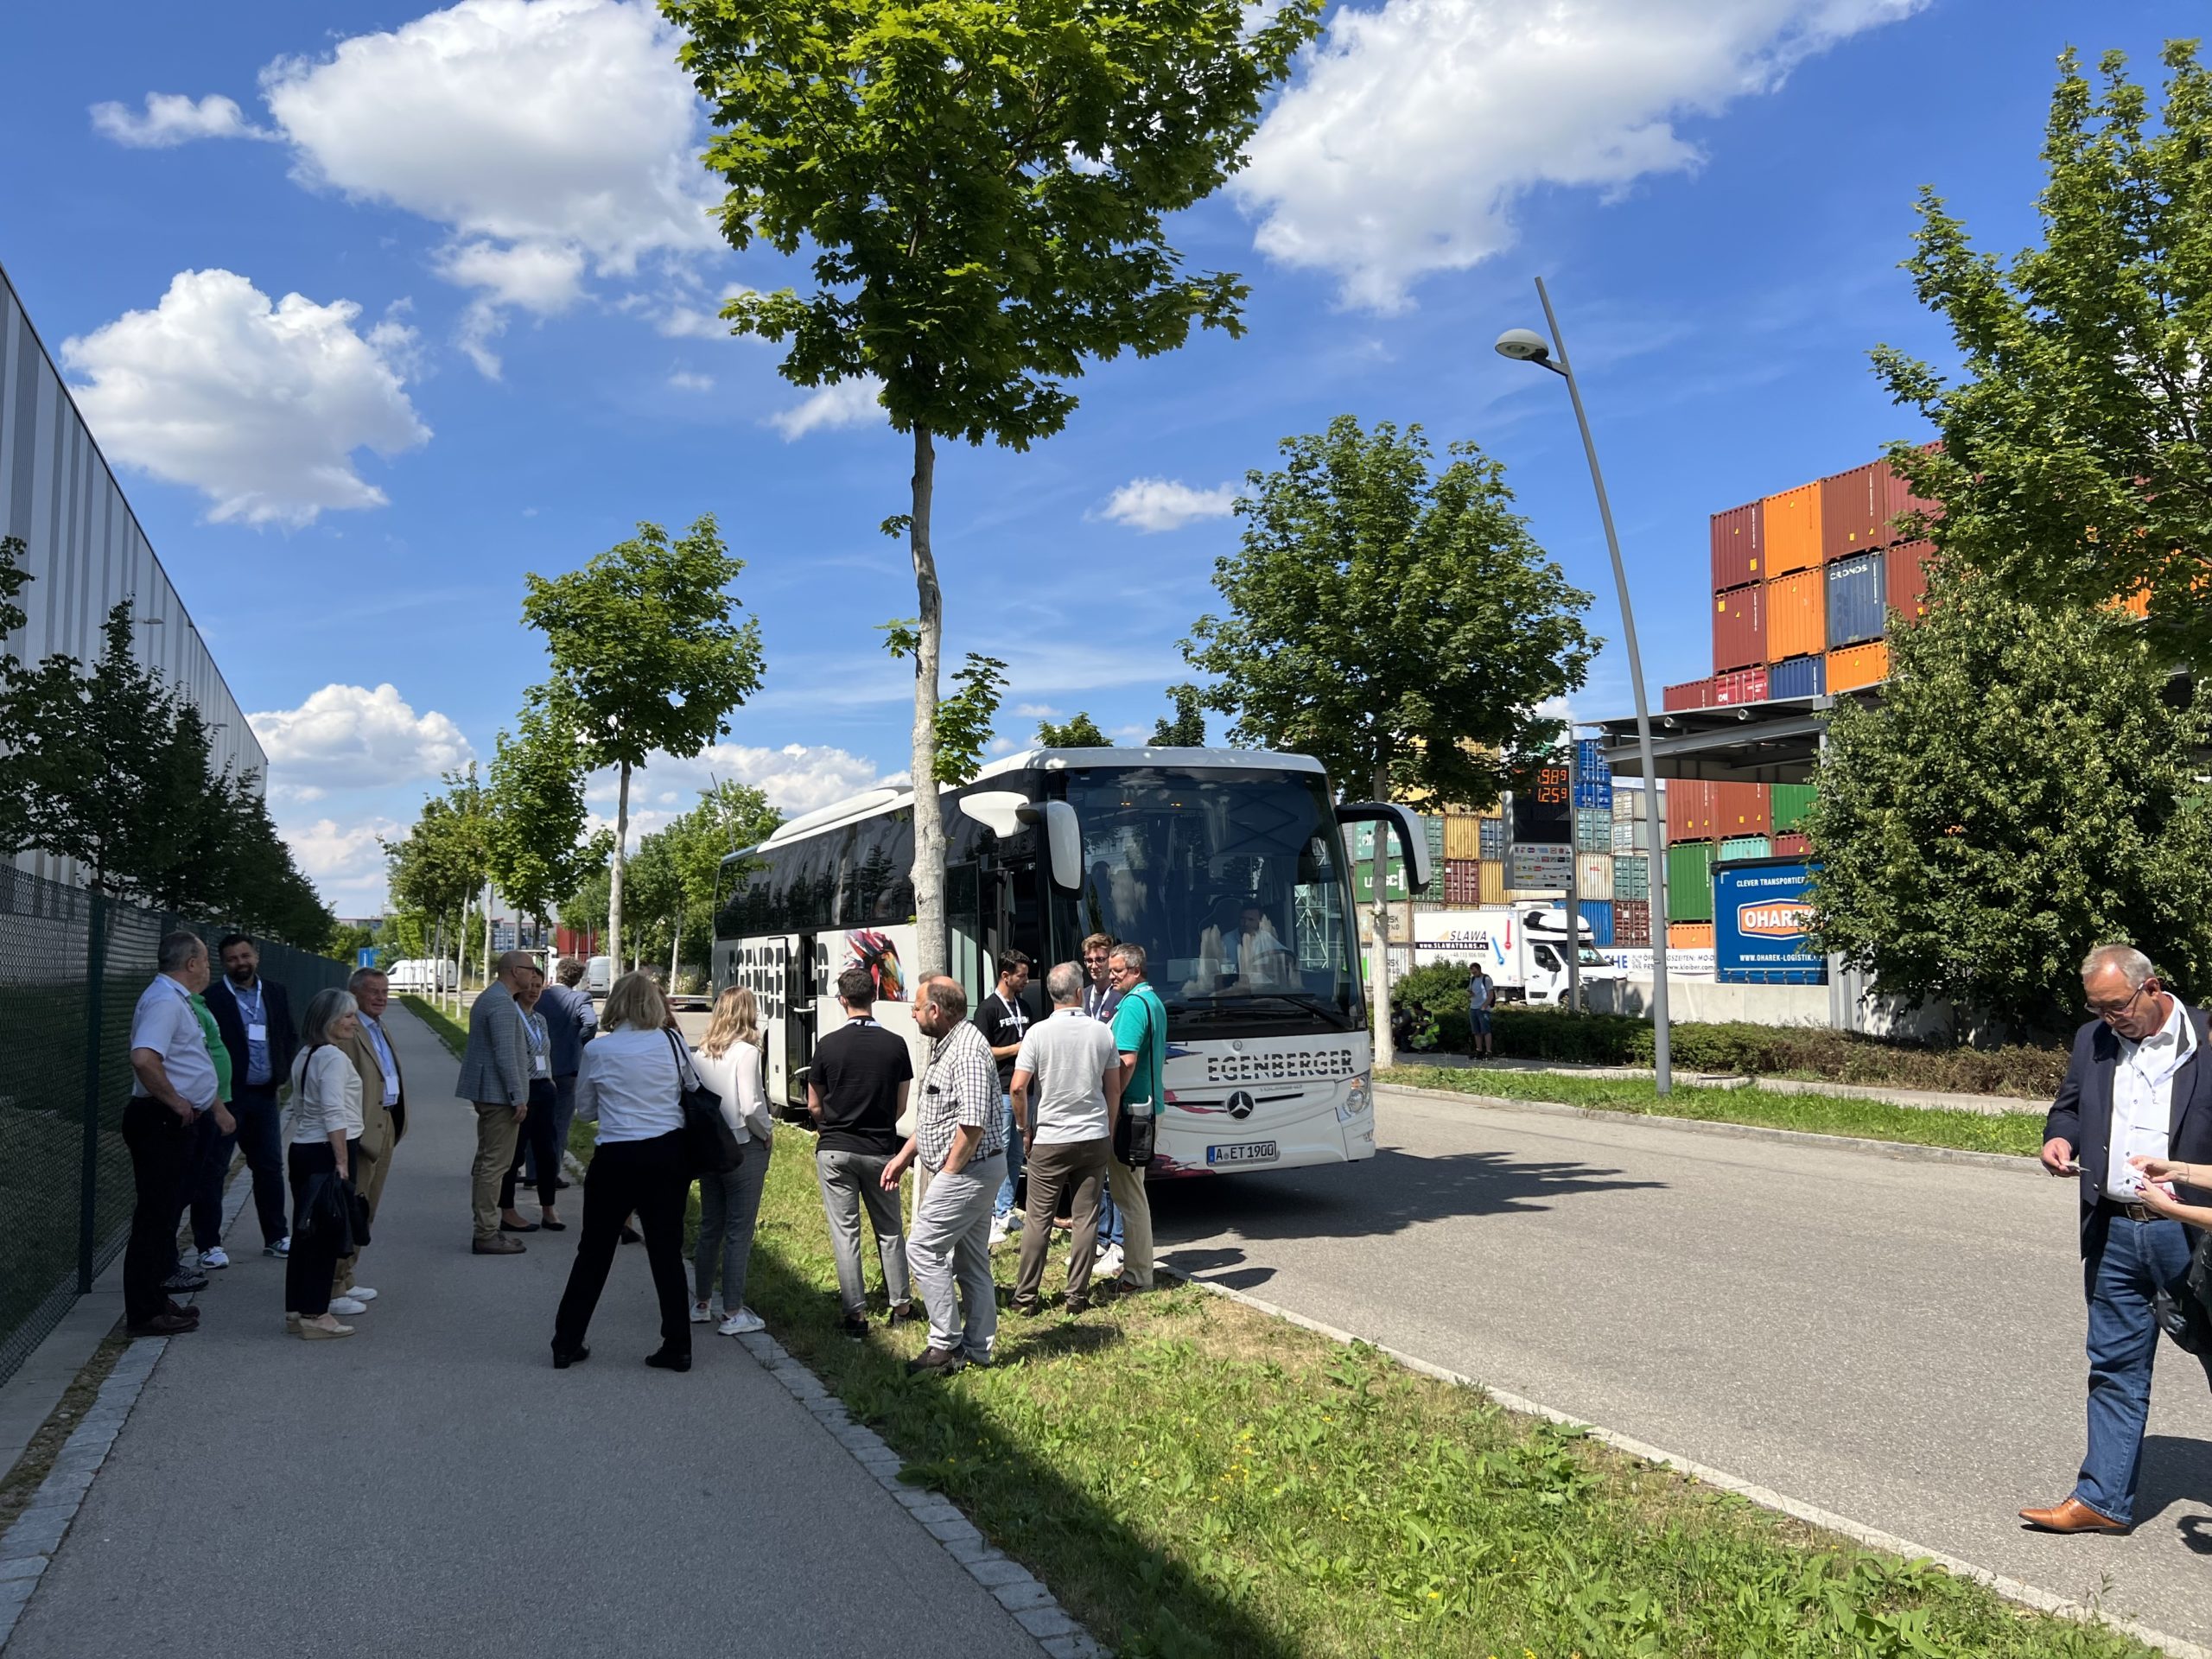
x,y
326,1120
729,1064
631,1083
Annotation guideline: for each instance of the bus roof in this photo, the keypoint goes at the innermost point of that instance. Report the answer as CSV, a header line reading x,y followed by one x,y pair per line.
x,y
870,803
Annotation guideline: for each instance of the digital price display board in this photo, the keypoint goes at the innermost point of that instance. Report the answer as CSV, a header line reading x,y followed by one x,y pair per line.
x,y
1544,808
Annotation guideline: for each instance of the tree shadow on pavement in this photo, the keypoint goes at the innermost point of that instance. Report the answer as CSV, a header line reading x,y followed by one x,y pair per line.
x,y
1384,1194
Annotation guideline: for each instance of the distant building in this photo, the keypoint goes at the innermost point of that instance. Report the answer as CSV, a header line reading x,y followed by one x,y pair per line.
x,y
85,551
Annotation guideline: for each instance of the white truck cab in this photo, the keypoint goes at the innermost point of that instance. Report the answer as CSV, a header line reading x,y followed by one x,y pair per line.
x,y
1524,947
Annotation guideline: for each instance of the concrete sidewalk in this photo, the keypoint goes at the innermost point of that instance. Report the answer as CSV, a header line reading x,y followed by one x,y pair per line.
x,y
1925,1099
432,1485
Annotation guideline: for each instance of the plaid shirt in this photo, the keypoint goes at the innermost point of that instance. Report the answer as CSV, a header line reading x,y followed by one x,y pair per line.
x,y
960,1087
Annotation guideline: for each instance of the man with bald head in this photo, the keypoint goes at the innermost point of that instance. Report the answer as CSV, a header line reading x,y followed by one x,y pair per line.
x,y
2138,1086
495,1072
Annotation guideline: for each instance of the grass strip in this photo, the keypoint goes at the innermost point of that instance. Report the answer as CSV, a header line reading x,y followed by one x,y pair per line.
x,y
21,1484
450,1032
2018,1133
1194,1478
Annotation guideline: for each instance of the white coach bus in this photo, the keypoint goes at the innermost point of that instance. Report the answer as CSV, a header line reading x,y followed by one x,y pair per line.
x,y
1226,866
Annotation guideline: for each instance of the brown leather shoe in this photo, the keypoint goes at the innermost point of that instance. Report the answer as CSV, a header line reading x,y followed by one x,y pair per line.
x,y
499,1247
162,1324
2072,1515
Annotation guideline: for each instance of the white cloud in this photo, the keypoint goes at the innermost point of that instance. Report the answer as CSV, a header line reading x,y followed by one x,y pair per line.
x,y
849,403
678,319
1036,711
544,134
796,777
345,861
259,407
1158,504
1418,125
351,737
171,118
684,380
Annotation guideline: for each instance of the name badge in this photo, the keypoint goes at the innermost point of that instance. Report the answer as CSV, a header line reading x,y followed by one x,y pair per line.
x,y
542,1064
257,1033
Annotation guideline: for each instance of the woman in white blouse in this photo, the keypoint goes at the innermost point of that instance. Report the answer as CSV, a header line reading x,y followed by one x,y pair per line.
x,y
631,1083
729,1064
325,1120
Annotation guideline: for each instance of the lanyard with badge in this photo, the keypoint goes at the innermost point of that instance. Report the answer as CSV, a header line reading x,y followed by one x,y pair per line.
x,y
541,1062
256,1017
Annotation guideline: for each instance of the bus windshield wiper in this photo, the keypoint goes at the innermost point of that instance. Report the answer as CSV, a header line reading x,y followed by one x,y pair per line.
x,y
1224,1003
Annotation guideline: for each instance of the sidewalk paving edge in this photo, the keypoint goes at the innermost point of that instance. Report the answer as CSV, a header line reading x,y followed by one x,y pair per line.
x,y
1904,1149
2013,1590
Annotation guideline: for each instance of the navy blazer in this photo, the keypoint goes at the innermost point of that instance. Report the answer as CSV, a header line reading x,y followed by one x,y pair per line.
x,y
2082,1115
284,1035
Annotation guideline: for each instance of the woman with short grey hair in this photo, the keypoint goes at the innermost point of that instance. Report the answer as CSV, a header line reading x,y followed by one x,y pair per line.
x,y
326,1135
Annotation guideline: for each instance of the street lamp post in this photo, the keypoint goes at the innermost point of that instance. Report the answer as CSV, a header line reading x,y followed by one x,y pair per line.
x,y
1526,346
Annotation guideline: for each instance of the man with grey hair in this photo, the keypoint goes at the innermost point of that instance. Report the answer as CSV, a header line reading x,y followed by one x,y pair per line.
x,y
384,1108
1141,1035
495,1072
173,1087
1067,1084
2137,1087
960,1138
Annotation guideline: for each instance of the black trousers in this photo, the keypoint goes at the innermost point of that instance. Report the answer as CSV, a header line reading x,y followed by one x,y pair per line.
x,y
161,1146
309,1268
538,1140
650,1178
255,1107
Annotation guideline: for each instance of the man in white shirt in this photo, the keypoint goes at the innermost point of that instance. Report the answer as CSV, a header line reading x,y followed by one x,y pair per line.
x,y
1067,1085
173,1086
2136,1087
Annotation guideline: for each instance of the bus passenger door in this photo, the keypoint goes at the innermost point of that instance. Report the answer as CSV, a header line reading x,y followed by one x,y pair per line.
x,y
799,1021
963,927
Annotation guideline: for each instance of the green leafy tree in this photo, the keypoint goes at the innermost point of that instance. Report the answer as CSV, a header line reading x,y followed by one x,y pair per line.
x,y
963,720
1078,731
536,817
18,709
2076,457
441,863
1395,621
1186,727
346,941
646,655
2026,788
980,185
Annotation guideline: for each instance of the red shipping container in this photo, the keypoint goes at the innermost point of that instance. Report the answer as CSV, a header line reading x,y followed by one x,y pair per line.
x,y
1854,511
1741,809
1907,579
1792,845
1740,629
1631,922
1690,810
1898,499
1737,550
1739,685
1690,694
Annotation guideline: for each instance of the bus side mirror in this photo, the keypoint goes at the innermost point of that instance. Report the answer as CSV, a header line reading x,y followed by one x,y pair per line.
x,y
1003,812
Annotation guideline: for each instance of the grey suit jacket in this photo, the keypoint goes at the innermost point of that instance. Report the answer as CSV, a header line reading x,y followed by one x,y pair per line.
x,y
495,1067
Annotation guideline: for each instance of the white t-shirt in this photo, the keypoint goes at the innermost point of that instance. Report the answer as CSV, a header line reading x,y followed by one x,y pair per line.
x,y
1067,1058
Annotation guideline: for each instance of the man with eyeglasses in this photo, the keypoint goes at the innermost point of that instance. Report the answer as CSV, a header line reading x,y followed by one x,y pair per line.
x,y
1141,1035
2135,1088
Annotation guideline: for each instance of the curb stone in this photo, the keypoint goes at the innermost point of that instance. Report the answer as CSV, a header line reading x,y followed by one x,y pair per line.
x,y
1011,1585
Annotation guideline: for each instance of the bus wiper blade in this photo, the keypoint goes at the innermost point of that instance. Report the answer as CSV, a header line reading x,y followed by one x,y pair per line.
x,y
1231,1003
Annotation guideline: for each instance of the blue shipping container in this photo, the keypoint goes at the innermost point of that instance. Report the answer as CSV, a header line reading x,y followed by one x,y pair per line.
x,y
1798,676
1855,600
1593,778
1760,912
1598,912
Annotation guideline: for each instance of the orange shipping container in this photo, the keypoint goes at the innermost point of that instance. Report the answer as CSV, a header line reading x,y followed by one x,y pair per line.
x,y
1689,809
1790,530
1690,935
1796,615
1853,667
1853,506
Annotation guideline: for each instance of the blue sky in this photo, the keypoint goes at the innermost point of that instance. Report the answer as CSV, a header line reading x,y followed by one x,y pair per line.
x,y
500,355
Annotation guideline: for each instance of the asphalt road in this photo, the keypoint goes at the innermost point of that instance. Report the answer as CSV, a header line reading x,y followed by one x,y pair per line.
x,y
1897,1342
431,1486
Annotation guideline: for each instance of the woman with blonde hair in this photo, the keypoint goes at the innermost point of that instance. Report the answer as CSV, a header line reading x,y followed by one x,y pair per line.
x,y
730,1059
631,1084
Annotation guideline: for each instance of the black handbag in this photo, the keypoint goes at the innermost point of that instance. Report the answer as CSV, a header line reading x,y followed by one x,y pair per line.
x,y
710,1146
336,1217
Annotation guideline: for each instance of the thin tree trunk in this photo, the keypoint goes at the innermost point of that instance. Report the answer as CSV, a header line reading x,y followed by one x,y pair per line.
x,y
930,943
676,948
487,933
1386,1053
614,876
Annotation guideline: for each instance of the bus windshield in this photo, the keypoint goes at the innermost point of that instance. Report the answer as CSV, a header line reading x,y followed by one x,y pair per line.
x,y
1231,880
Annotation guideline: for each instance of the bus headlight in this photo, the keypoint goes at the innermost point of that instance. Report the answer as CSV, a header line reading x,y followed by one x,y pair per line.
x,y
1357,1098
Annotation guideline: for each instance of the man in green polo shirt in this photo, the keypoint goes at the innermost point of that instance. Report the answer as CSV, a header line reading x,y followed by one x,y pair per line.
x,y
1141,1035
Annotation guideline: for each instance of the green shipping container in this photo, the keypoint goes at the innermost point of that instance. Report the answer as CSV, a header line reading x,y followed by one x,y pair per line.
x,y
1631,876
1747,846
1689,881
1791,802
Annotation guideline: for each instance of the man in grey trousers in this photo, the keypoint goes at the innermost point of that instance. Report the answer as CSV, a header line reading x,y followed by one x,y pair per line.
x,y
960,1138
856,1087
495,1070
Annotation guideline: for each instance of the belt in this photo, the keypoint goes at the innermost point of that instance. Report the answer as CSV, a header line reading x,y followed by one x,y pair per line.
x,y
2132,1211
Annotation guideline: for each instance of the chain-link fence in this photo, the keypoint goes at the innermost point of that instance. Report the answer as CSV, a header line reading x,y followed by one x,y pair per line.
x,y
71,967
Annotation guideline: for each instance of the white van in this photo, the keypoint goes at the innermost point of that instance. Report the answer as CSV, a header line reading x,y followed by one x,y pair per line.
x,y
599,976
422,974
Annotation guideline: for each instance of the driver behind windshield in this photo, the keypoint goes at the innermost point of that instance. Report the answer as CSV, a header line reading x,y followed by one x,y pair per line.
x,y
1249,958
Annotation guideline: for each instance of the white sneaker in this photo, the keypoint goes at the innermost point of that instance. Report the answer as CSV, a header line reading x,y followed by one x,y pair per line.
x,y
1109,1261
999,1230
362,1293
741,1323
345,1306
217,1257
280,1249
699,1313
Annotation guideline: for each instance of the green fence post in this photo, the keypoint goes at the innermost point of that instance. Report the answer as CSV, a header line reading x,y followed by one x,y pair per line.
x,y
88,1183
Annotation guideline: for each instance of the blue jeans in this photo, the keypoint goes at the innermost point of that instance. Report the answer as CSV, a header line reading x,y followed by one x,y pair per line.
x,y
2121,1277
1003,1205
1109,1221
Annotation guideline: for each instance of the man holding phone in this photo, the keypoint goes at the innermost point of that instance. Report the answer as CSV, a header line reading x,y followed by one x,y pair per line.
x,y
2137,1086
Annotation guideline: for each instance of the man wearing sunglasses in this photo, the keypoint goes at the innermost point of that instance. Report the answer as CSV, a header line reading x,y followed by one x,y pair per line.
x,y
2136,1087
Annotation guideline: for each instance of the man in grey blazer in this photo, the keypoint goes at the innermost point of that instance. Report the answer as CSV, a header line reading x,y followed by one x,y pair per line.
x,y
495,1077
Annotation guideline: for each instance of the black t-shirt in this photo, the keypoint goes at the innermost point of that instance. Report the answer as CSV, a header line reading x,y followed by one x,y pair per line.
x,y
857,1070
1000,1026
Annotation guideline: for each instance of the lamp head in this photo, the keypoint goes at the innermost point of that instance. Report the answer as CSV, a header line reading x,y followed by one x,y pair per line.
x,y
1524,345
